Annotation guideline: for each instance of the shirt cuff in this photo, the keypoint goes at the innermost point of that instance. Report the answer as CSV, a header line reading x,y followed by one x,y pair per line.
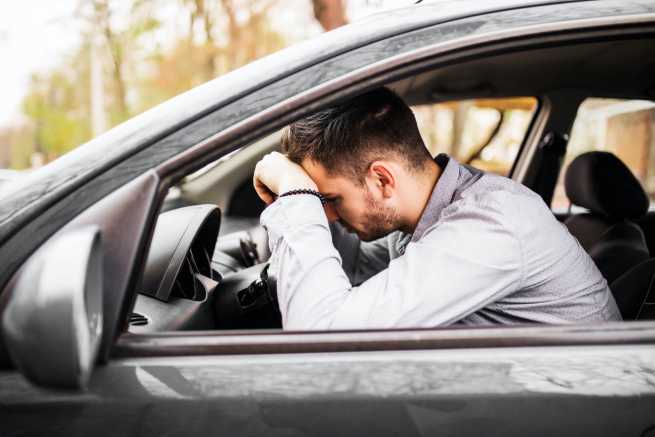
x,y
288,213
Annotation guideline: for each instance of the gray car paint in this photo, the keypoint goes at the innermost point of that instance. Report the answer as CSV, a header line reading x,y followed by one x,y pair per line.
x,y
539,391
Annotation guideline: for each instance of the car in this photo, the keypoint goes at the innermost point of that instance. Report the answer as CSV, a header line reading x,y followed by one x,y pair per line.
x,y
7,176
135,296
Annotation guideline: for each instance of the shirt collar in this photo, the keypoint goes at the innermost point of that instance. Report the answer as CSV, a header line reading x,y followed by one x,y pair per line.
x,y
442,194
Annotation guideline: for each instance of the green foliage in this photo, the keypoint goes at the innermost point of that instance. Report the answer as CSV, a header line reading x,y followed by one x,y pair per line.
x,y
21,152
60,115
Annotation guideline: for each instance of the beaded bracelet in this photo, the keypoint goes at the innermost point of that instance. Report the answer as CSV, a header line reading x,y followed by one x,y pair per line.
x,y
305,191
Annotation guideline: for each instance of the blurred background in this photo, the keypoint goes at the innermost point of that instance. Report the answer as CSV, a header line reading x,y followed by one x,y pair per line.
x,y
73,69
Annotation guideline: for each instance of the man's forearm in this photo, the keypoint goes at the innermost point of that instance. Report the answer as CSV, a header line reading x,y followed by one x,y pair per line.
x,y
312,285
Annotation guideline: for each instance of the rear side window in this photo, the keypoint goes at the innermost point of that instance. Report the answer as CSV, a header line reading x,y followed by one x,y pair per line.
x,y
623,127
484,133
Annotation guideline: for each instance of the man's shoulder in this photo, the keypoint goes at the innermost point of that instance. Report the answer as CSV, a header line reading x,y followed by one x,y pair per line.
x,y
495,192
496,202
484,199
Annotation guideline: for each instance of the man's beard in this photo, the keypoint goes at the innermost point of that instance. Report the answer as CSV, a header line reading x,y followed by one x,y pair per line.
x,y
378,220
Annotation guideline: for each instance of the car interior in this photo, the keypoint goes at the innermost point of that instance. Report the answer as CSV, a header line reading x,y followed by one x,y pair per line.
x,y
207,265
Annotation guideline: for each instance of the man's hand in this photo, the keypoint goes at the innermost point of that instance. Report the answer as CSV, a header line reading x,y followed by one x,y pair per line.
x,y
276,174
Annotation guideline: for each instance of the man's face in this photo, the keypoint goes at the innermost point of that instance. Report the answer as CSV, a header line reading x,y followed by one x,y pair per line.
x,y
361,209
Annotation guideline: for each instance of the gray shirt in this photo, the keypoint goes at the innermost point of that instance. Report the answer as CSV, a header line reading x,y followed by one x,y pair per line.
x,y
486,250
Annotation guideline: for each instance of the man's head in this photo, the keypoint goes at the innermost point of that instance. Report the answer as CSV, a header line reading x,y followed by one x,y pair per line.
x,y
365,154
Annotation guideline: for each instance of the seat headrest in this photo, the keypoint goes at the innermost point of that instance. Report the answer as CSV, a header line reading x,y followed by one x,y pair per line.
x,y
602,183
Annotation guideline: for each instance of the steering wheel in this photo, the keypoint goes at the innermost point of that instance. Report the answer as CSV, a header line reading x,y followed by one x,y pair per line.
x,y
247,299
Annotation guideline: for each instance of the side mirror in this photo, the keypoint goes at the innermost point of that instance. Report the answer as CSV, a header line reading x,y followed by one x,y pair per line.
x,y
53,320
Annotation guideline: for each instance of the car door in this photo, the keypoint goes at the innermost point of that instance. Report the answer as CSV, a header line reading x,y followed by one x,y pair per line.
x,y
537,380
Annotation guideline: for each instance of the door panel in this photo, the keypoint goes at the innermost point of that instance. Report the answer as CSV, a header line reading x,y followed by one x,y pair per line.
x,y
596,390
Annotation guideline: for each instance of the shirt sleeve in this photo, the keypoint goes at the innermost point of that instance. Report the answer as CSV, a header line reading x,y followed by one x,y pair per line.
x,y
463,263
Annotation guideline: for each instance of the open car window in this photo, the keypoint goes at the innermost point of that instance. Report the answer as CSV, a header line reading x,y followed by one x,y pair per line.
x,y
484,133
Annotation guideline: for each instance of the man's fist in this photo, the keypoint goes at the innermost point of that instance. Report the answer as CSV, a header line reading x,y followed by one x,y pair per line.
x,y
276,174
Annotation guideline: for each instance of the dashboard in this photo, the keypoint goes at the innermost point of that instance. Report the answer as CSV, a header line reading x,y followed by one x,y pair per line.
x,y
194,280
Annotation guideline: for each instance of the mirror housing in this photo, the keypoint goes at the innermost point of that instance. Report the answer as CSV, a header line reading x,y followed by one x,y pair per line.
x,y
179,233
52,323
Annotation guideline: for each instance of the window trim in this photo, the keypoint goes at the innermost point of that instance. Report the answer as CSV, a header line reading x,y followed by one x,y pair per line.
x,y
197,343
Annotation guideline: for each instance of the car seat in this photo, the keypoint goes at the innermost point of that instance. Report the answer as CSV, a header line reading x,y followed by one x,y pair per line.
x,y
633,292
605,186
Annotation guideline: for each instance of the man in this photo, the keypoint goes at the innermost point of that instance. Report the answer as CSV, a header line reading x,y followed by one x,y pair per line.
x,y
446,243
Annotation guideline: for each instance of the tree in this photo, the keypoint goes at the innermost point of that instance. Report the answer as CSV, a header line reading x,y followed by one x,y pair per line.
x,y
140,72
102,17
202,16
221,36
59,109
121,34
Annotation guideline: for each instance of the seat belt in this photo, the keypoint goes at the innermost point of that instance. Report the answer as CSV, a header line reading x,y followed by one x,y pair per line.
x,y
552,148
647,308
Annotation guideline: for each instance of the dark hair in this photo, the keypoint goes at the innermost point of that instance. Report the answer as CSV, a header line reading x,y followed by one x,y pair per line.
x,y
348,137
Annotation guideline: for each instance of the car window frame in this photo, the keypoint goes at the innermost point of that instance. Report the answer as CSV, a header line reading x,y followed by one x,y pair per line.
x,y
266,342
227,342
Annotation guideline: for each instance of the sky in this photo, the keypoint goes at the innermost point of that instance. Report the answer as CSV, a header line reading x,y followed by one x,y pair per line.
x,y
35,35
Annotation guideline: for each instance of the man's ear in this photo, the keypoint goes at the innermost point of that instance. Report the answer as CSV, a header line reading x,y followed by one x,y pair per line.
x,y
382,176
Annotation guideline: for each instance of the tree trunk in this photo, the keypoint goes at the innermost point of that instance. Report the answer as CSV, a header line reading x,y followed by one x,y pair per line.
x,y
207,23
330,13
233,32
103,19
